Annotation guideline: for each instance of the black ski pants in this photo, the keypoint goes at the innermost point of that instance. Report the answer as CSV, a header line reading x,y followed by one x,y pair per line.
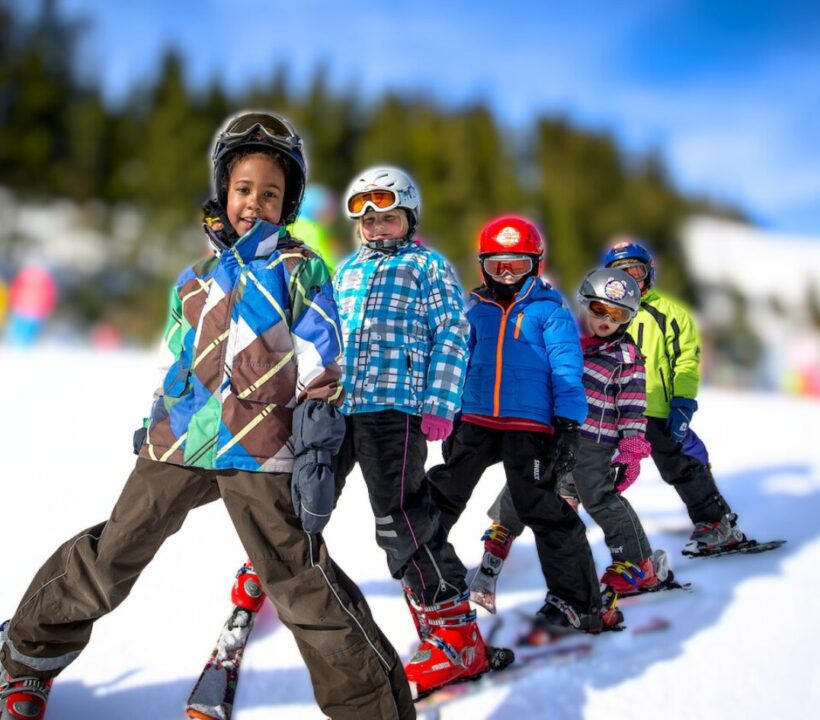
x,y
391,451
593,482
560,535
685,466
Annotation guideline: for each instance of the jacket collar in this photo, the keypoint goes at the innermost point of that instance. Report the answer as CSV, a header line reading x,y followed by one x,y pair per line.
x,y
533,289
260,241
366,252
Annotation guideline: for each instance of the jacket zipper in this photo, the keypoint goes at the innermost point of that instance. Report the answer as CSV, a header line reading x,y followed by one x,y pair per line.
x,y
499,348
663,383
518,325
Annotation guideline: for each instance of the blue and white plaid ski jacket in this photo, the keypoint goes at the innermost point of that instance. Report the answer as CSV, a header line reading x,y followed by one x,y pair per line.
x,y
404,332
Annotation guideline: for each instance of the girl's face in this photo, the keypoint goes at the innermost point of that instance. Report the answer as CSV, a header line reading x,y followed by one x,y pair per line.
x,y
602,327
382,225
256,191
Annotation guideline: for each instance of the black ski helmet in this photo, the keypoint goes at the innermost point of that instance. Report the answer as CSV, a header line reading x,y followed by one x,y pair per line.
x,y
263,130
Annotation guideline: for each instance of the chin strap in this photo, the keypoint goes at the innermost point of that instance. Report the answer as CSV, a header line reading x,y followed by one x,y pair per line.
x,y
220,232
387,246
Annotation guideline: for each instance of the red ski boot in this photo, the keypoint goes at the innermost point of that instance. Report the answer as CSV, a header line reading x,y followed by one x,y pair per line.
x,y
451,649
23,698
626,578
247,590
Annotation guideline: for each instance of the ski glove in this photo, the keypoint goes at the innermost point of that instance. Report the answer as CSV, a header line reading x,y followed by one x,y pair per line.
x,y
566,445
318,431
680,415
627,463
435,427
139,438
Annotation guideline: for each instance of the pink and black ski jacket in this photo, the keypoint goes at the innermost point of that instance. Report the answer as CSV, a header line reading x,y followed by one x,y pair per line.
x,y
615,384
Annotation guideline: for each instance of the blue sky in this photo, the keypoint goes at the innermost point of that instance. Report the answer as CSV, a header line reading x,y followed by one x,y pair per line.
x,y
728,91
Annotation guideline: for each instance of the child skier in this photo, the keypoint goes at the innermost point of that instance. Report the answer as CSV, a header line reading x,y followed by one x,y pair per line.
x,y
615,390
251,344
523,401
405,352
667,335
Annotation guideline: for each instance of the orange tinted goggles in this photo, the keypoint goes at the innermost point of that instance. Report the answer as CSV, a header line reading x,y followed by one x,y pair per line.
x,y
377,199
601,310
516,265
630,263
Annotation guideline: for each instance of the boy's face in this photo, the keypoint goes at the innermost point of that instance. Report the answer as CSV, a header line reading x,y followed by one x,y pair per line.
x,y
382,225
256,191
636,270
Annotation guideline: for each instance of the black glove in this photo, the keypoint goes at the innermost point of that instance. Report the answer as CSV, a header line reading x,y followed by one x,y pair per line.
x,y
139,439
318,431
217,227
566,445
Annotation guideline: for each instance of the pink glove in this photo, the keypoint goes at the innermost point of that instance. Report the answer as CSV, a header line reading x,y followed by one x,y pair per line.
x,y
435,427
631,450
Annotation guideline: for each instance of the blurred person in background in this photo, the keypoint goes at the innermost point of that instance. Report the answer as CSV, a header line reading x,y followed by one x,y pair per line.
x,y
32,299
250,346
313,226
668,336
522,406
405,354
4,302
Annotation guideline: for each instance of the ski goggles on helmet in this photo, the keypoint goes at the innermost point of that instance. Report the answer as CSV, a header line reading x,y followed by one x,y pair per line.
x,y
378,200
268,128
633,263
497,265
601,310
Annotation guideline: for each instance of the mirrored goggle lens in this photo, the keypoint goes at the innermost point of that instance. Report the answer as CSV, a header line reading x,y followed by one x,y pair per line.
x,y
267,123
496,266
601,310
381,199
643,271
257,126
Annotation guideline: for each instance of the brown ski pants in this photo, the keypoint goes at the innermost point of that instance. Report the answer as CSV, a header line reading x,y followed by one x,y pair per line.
x,y
356,673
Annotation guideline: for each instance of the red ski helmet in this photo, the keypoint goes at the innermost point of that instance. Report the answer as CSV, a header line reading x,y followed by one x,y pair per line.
x,y
512,234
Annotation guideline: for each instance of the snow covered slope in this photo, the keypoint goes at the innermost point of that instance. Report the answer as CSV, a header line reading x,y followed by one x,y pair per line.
x,y
745,644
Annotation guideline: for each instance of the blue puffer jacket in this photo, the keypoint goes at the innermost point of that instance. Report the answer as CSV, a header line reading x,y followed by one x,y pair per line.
x,y
525,362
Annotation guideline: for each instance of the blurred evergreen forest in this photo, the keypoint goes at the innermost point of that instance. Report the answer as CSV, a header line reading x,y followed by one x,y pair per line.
x,y
59,139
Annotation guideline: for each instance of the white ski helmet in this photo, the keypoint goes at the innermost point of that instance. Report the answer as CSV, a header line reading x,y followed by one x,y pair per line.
x,y
383,188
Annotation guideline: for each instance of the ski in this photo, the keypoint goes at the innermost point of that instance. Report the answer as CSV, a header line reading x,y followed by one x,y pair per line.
x,y
563,649
213,695
499,659
608,595
429,707
747,547
483,581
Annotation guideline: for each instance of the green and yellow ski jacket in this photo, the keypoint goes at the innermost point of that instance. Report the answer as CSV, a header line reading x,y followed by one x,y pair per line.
x,y
667,335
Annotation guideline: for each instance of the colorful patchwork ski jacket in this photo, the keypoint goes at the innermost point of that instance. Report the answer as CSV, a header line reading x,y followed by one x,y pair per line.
x,y
525,360
252,331
615,385
404,331
667,335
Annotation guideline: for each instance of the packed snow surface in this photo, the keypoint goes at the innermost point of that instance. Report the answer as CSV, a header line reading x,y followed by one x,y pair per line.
x,y
744,644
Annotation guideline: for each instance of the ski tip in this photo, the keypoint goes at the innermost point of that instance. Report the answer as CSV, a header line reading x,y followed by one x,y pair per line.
x,y
488,603
202,713
747,547
655,624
